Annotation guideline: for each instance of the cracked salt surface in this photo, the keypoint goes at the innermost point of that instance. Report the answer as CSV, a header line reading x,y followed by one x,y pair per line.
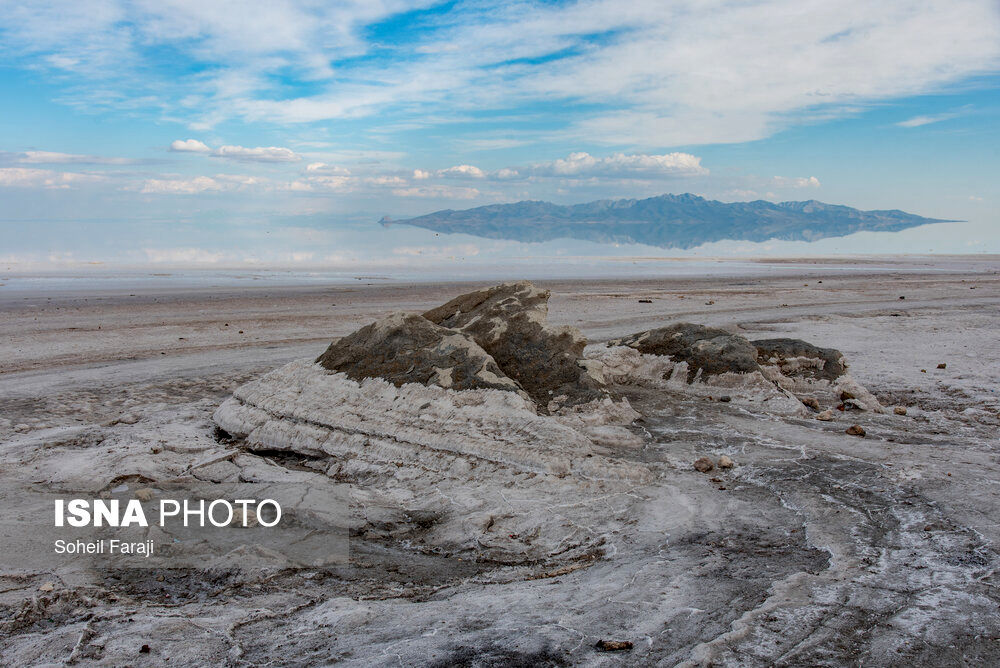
x,y
824,549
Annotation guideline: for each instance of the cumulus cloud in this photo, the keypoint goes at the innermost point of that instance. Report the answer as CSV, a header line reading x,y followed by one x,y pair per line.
x,y
21,177
462,172
241,153
189,146
324,168
795,182
621,164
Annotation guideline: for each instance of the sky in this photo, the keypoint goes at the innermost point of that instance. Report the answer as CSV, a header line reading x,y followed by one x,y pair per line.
x,y
219,133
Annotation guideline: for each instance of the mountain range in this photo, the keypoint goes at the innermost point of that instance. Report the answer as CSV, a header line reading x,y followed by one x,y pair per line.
x,y
667,221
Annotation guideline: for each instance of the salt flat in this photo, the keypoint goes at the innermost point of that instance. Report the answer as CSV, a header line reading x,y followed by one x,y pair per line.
x,y
818,548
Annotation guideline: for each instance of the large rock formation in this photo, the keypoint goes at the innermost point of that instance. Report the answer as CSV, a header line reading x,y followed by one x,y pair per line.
x,y
707,350
477,414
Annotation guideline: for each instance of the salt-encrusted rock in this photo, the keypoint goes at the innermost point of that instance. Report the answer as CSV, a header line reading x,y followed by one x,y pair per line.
x,y
706,350
406,348
786,374
797,358
726,462
703,465
509,322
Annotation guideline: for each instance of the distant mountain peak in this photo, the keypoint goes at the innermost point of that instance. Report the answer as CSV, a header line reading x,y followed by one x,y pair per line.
x,y
669,221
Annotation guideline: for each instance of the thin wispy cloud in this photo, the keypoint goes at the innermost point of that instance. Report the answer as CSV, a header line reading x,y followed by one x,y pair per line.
x,y
661,74
918,121
21,177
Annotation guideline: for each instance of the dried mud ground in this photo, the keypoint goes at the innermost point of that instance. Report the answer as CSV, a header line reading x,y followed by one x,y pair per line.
x,y
818,548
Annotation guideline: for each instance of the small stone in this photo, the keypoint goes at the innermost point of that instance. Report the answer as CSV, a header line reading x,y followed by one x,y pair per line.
x,y
942,365
855,430
160,578
613,645
156,449
703,465
709,302
725,398
48,586
923,371
902,297
21,428
899,410
825,416
726,462
844,396
144,494
240,520
144,649
810,402
128,418
645,301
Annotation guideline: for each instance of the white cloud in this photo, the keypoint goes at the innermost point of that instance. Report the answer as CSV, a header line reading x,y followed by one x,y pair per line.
x,y
200,184
258,154
324,168
241,153
53,158
437,192
665,73
189,146
620,164
421,174
795,182
463,171
918,121
20,177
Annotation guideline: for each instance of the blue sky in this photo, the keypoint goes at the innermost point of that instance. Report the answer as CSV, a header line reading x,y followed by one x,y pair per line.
x,y
222,133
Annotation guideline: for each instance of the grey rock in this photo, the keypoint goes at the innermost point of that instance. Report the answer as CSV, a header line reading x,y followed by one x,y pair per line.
x,y
509,322
407,348
829,363
713,351
703,465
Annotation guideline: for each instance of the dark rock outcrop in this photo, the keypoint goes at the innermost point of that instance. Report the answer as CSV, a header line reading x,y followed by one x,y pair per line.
x,y
406,348
495,338
797,358
712,351
509,322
